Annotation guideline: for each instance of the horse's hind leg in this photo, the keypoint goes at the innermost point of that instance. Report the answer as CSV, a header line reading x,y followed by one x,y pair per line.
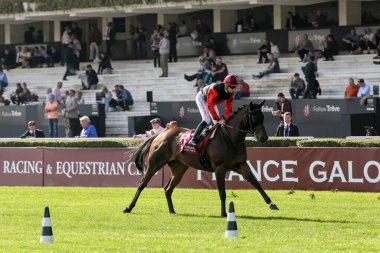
x,y
245,171
152,169
178,169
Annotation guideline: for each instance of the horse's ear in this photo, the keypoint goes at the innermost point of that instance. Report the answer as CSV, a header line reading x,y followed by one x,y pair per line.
x,y
262,103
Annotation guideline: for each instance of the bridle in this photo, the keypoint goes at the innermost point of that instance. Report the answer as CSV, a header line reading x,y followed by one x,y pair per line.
x,y
248,118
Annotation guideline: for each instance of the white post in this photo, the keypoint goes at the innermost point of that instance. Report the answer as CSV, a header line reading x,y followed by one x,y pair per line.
x,y
217,20
57,30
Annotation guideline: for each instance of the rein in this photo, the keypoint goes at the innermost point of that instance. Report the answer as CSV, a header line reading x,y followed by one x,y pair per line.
x,y
250,124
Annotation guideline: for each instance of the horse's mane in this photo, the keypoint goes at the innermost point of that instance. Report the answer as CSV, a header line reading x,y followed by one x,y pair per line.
x,y
236,112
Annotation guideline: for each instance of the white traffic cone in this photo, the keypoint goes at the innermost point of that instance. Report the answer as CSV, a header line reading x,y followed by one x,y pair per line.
x,y
231,222
47,231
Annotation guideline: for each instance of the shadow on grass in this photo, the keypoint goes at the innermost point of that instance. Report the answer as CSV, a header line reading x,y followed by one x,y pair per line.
x,y
280,218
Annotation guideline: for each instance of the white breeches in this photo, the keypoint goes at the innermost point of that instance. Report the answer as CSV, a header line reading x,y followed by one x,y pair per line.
x,y
203,109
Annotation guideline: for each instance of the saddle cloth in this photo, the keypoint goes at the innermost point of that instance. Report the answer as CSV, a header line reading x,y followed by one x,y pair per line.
x,y
187,148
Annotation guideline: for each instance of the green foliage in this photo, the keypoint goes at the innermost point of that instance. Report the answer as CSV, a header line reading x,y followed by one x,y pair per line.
x,y
11,6
339,143
86,219
128,142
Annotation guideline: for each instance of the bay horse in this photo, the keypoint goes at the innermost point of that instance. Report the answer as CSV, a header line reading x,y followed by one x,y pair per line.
x,y
226,151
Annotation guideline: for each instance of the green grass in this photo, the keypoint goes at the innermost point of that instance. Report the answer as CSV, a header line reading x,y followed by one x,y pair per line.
x,y
91,220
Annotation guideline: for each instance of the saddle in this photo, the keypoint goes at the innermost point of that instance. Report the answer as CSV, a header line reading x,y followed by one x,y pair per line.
x,y
199,149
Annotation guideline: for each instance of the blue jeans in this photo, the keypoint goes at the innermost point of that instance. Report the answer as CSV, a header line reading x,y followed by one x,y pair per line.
x,y
53,128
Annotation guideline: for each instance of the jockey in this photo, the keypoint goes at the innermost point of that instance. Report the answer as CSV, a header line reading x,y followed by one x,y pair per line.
x,y
207,100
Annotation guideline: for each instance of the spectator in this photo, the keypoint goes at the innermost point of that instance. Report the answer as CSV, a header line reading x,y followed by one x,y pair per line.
x,y
25,95
351,41
297,86
57,93
25,57
72,61
107,99
19,55
203,67
141,41
274,49
253,25
220,72
273,67
290,21
263,51
287,128
51,112
320,19
39,37
4,101
309,71
369,40
364,89
182,30
125,98
75,30
156,129
209,53
71,114
89,78
7,60
3,81
66,40
110,39
105,66
172,29
283,105
304,47
155,45
80,98
351,89
47,97
95,41
164,50
15,96
28,35
54,56
32,131
242,90
88,130
331,48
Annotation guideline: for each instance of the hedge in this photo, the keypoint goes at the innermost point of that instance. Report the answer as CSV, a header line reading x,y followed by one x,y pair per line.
x,y
127,142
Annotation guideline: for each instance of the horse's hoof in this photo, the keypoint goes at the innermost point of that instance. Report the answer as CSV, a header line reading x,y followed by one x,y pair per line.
x,y
224,214
127,210
173,212
273,207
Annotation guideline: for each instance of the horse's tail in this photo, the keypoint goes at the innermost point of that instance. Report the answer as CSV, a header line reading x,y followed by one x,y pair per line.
x,y
139,155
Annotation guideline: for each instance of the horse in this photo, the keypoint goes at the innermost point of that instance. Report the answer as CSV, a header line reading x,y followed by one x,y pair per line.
x,y
225,151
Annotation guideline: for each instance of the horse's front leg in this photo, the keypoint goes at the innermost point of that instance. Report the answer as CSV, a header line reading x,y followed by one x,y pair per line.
x,y
220,179
246,172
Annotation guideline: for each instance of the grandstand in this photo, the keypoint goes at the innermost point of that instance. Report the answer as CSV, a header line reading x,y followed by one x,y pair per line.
x,y
140,76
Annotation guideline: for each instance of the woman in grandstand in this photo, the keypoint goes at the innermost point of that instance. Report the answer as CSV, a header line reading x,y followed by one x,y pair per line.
x,y
207,100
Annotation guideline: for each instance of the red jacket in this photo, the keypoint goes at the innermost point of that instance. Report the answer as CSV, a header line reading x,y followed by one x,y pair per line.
x,y
216,95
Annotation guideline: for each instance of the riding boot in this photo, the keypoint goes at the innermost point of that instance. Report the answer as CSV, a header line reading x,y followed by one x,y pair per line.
x,y
197,133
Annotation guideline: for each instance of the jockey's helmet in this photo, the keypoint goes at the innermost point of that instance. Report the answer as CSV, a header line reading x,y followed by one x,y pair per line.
x,y
232,81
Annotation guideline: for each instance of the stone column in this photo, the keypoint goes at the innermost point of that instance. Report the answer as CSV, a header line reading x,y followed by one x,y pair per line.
x,y
217,16
57,31
350,12
226,20
7,34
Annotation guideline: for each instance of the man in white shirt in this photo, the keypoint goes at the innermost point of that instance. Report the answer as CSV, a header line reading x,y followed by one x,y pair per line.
x,y
156,129
364,89
164,50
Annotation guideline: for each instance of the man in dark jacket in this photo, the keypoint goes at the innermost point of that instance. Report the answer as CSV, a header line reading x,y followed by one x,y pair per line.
x,y
33,132
90,78
309,72
287,128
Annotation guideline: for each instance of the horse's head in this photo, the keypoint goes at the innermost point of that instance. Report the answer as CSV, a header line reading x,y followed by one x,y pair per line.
x,y
256,121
